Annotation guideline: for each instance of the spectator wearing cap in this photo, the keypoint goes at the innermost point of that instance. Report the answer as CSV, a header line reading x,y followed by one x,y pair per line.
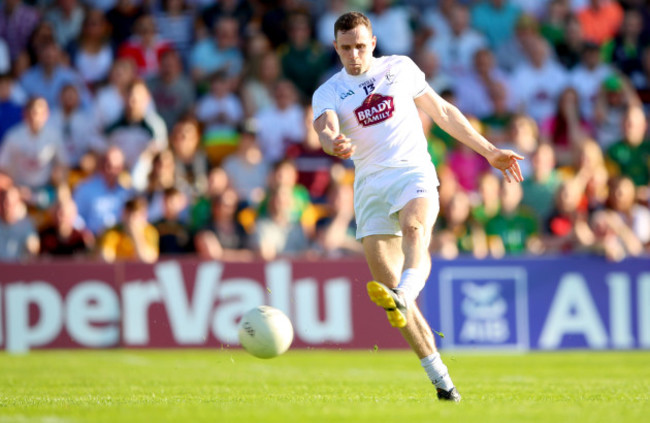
x,y
615,97
496,19
600,20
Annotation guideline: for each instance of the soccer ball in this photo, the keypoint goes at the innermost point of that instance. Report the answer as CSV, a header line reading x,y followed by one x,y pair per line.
x,y
265,332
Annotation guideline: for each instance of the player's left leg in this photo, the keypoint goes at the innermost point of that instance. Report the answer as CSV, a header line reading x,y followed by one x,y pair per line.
x,y
385,258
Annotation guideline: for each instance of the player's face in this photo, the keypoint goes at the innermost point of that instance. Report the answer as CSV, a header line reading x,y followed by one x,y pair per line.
x,y
355,48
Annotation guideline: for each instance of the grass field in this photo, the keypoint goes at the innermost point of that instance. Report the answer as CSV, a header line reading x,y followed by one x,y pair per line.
x,y
320,386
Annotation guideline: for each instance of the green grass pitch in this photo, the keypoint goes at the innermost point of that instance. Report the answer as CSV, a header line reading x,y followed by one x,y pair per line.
x,y
320,386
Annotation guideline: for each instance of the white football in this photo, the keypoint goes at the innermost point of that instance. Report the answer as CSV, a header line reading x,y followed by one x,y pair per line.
x,y
265,332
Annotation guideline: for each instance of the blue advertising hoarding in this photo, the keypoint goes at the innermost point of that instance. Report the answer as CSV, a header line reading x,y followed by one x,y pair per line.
x,y
542,303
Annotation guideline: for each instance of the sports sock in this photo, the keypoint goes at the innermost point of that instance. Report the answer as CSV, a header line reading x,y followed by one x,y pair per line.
x,y
437,371
411,283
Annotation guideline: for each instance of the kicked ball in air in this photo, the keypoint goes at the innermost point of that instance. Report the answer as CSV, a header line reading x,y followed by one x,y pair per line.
x,y
265,332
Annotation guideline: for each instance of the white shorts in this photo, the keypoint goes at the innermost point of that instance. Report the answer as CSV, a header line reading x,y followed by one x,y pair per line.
x,y
380,195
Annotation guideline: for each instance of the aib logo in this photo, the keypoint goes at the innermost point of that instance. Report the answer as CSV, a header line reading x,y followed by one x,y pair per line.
x,y
376,108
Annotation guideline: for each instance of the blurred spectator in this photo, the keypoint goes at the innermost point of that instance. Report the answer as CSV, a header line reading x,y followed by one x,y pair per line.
x,y
456,50
257,89
42,34
201,208
587,77
11,113
471,89
513,51
391,24
191,162
145,47
135,239
171,89
535,8
224,238
600,20
625,49
19,238
641,79
313,164
570,49
17,21
33,154
76,125
175,23
335,234
496,19
247,170
537,83
303,59
276,233
554,22
162,177
515,229
612,238
437,18
495,125
539,189
101,197
285,174
567,227
456,233
65,236
49,75
282,124
489,203
175,236
622,200
66,18
92,54
220,113
566,129
615,98
467,165
631,155
428,63
219,52
325,22
241,10
110,99
139,133
122,18
523,137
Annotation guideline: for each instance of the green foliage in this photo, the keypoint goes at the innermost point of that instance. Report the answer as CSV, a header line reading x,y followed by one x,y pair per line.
x,y
320,386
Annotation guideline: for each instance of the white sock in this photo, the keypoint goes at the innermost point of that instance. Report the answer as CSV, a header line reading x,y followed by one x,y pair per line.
x,y
411,283
437,371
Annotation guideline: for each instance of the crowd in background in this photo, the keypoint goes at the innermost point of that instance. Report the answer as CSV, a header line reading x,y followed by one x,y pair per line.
x,y
133,129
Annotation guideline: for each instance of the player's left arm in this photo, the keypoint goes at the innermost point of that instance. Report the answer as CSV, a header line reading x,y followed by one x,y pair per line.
x,y
449,118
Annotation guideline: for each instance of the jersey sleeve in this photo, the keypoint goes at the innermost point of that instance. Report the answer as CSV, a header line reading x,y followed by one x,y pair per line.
x,y
418,82
322,100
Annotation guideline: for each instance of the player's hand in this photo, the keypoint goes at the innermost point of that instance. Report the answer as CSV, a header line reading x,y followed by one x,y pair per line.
x,y
342,147
507,162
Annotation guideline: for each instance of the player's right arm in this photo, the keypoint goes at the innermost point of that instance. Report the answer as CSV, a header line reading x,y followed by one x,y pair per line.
x,y
333,142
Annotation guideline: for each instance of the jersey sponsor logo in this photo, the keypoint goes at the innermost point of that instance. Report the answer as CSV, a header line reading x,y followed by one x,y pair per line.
x,y
390,77
347,94
376,108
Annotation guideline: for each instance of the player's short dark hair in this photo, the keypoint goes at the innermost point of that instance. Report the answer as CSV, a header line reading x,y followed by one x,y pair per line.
x,y
351,20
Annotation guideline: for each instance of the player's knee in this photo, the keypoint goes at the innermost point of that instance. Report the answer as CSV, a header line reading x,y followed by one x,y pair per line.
x,y
414,229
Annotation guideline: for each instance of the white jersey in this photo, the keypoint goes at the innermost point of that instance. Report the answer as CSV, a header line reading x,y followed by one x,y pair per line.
x,y
377,112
